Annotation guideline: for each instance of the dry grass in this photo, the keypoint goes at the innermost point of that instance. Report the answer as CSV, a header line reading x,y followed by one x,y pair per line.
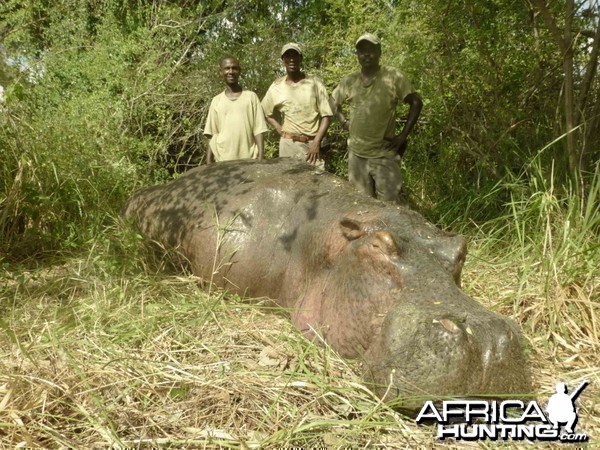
x,y
94,361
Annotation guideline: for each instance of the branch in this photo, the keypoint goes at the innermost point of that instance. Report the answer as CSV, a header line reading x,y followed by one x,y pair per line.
x,y
586,33
551,24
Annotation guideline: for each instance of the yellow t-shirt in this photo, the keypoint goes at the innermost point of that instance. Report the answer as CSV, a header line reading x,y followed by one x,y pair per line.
x,y
372,109
232,125
301,104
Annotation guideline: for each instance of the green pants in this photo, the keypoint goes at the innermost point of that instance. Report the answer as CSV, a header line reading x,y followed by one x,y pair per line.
x,y
377,177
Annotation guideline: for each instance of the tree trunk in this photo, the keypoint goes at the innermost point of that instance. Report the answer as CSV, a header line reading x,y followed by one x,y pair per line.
x,y
564,42
573,152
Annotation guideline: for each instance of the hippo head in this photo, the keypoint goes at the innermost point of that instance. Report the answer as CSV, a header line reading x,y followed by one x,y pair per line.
x,y
392,300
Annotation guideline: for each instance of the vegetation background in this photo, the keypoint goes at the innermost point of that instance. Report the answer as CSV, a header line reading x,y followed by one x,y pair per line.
x,y
103,344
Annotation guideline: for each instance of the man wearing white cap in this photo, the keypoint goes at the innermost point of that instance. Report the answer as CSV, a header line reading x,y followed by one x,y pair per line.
x,y
297,106
373,92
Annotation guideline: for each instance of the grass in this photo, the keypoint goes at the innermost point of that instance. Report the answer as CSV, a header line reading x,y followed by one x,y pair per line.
x,y
113,349
91,360
155,361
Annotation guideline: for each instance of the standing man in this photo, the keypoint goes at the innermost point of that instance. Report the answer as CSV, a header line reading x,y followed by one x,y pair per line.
x,y
373,93
301,103
235,122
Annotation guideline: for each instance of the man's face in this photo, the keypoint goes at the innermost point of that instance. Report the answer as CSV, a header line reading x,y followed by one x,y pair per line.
x,y
292,61
230,70
368,54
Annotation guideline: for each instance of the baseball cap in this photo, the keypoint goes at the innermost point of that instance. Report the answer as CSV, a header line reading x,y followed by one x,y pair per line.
x,y
291,46
368,37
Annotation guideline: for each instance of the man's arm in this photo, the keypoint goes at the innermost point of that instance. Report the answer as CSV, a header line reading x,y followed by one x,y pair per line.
x,y
314,147
268,107
260,126
274,123
209,153
339,114
398,143
336,99
211,127
259,139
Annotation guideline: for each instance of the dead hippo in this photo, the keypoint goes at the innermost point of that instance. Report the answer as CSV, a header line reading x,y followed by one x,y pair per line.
x,y
375,281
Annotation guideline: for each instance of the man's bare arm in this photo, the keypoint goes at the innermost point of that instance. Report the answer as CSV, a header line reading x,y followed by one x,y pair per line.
x,y
209,154
314,147
415,103
259,139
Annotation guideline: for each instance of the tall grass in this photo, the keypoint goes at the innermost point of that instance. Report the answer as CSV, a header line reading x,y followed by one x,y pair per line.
x,y
549,226
62,173
546,244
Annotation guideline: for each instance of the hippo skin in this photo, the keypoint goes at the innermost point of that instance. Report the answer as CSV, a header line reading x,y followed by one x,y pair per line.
x,y
375,281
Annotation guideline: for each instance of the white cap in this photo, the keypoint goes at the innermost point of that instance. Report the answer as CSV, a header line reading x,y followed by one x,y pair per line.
x,y
369,37
291,46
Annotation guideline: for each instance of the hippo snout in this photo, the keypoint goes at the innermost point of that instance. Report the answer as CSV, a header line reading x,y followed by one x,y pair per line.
x,y
475,355
430,351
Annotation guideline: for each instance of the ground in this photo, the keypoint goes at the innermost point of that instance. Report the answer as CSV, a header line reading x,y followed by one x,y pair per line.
x,y
147,358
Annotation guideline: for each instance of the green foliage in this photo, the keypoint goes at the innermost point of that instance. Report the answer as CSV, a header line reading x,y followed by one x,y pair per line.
x,y
106,96
542,225
67,163
88,127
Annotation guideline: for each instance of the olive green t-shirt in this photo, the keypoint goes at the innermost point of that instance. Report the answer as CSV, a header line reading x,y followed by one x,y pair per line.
x,y
372,109
301,104
232,125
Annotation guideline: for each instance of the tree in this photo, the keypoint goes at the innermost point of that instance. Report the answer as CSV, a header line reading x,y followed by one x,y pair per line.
x,y
579,48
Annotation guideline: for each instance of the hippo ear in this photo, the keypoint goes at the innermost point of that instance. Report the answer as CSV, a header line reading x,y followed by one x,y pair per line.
x,y
352,229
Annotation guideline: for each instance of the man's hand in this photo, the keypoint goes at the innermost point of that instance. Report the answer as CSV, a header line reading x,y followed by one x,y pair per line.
x,y
314,151
398,144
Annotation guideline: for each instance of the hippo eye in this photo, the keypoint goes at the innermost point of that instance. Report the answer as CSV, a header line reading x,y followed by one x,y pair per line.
x,y
384,243
386,248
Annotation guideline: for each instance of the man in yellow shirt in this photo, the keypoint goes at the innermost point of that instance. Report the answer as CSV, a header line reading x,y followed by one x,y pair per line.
x,y
235,123
373,93
297,106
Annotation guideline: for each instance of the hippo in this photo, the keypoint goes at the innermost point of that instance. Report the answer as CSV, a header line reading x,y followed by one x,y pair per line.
x,y
373,280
